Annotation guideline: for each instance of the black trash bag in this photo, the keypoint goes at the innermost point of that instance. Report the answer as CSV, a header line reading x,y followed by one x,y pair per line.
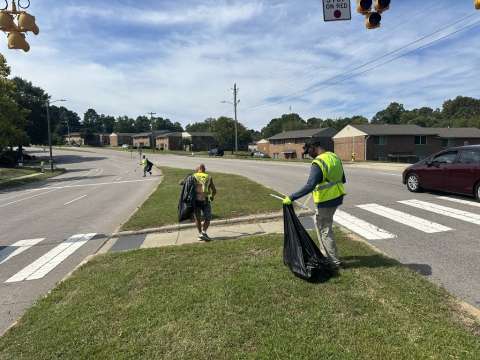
x,y
149,166
186,203
300,253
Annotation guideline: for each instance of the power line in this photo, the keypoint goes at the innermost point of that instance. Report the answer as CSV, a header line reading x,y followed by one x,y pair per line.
x,y
403,47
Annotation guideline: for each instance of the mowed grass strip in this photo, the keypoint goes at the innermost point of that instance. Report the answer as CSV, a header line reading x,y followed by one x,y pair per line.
x,y
236,300
236,196
8,176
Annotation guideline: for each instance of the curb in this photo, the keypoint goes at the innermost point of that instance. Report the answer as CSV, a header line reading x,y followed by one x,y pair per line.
x,y
240,220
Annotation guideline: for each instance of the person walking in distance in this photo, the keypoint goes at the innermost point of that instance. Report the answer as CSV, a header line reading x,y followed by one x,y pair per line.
x,y
326,183
147,166
205,194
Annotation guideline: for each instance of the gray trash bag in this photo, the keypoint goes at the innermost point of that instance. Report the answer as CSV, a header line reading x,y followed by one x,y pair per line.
x,y
300,253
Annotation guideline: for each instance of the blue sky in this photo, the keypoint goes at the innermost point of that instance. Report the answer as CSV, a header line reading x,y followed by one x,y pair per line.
x,y
180,58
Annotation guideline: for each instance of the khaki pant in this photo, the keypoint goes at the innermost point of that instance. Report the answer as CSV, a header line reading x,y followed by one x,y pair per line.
x,y
326,237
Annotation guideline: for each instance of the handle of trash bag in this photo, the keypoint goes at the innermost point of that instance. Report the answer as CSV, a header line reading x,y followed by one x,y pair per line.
x,y
279,198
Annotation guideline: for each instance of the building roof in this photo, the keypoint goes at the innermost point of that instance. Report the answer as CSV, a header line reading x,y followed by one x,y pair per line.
x,y
123,134
186,133
462,133
304,134
151,133
387,129
170,134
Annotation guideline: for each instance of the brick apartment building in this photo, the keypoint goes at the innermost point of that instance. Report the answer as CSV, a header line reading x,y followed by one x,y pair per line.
x,y
78,138
289,144
399,143
189,141
147,139
119,139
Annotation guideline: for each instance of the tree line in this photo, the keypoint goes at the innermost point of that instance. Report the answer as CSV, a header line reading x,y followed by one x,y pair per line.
x,y
23,118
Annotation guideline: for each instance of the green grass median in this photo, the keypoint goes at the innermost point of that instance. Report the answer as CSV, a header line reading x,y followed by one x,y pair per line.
x,y
15,177
236,196
236,300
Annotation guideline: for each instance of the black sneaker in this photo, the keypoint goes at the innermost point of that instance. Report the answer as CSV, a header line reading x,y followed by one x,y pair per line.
x,y
206,237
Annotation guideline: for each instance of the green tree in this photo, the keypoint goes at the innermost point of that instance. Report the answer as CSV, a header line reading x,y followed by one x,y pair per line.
x,y
92,121
391,115
33,99
142,124
124,124
12,116
287,122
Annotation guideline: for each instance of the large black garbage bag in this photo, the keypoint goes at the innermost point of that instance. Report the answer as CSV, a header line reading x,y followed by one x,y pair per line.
x,y
186,203
300,253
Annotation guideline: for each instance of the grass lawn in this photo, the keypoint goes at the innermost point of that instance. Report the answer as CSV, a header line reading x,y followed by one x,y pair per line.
x,y
7,176
236,196
236,300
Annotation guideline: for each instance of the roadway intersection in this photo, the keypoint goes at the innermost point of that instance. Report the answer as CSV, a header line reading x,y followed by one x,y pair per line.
x,y
48,229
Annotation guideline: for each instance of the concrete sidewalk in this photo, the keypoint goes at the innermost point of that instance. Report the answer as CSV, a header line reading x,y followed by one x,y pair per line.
x,y
190,236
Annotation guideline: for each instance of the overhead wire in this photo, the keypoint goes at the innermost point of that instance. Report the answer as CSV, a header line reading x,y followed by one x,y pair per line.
x,y
373,61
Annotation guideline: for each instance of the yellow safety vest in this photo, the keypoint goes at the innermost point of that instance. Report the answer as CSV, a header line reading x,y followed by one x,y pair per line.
x,y
332,186
203,179
144,163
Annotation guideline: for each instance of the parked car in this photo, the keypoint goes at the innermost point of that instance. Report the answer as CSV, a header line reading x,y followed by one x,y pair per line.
x,y
125,146
456,170
216,152
259,154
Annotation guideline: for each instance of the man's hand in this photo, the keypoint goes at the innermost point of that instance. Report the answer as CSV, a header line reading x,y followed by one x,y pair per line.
x,y
287,201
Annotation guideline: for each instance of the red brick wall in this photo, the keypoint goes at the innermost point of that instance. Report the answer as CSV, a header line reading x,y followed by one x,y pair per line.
x,y
264,148
344,148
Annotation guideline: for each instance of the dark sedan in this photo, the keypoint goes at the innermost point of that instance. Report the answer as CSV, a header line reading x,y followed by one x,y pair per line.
x,y
456,170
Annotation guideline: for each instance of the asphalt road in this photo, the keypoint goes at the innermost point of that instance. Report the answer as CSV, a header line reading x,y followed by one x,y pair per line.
x,y
93,198
422,234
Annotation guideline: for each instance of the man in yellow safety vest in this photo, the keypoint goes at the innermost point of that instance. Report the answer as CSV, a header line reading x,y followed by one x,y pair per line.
x,y
326,183
205,194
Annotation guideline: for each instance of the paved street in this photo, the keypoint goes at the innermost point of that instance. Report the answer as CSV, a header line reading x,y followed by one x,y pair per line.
x,y
68,219
48,229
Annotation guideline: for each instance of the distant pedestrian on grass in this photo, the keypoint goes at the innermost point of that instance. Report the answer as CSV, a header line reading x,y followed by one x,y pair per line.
x,y
205,194
147,166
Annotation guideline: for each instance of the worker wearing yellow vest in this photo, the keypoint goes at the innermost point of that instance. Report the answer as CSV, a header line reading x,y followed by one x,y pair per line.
x,y
326,183
205,193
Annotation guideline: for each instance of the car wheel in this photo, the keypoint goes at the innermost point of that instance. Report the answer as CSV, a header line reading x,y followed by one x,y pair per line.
x,y
413,183
477,192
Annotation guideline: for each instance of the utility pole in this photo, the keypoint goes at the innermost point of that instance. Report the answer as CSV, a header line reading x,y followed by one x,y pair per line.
x,y
235,103
151,119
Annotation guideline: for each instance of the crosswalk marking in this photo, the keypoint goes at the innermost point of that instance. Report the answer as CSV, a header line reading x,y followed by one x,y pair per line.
x,y
415,222
444,210
46,263
460,201
360,227
17,248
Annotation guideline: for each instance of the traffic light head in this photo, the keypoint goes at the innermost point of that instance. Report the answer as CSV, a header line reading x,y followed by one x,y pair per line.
x,y
372,20
26,22
477,4
6,22
382,5
364,6
16,40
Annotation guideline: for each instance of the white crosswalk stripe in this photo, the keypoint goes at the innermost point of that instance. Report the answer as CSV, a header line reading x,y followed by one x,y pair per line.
x,y
46,263
415,222
444,210
361,227
17,248
459,201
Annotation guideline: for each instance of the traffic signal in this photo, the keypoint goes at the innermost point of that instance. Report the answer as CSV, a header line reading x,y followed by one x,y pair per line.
x,y
382,5
26,22
16,40
477,4
372,20
6,22
364,6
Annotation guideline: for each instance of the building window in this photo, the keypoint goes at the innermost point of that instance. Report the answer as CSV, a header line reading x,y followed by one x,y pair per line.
x,y
420,140
380,140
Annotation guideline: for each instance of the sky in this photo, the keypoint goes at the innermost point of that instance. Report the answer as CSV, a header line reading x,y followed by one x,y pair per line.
x,y
180,58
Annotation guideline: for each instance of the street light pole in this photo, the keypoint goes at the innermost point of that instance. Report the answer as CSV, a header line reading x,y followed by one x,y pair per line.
x,y
47,104
49,135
